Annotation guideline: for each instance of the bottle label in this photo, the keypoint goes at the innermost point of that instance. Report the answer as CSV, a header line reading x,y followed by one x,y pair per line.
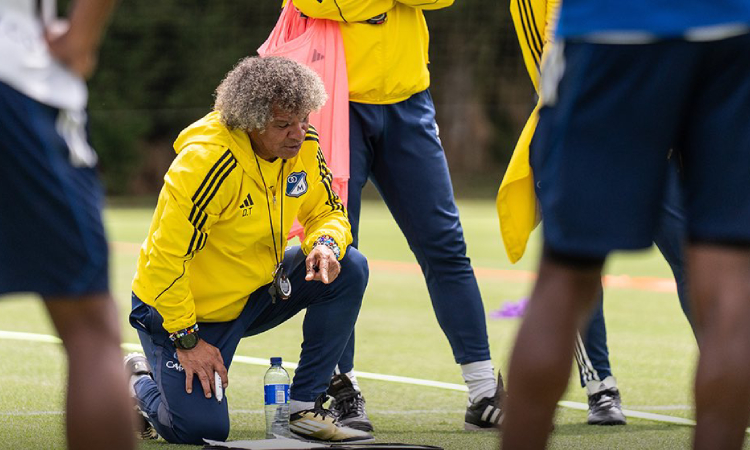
x,y
277,394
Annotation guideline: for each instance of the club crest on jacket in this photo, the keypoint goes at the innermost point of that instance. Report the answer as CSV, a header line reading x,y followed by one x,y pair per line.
x,y
296,184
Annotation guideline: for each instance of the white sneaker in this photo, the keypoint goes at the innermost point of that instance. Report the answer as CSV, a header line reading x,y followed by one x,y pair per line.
x,y
605,405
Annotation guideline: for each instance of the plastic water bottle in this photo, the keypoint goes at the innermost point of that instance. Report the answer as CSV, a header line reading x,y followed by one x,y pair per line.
x,y
276,386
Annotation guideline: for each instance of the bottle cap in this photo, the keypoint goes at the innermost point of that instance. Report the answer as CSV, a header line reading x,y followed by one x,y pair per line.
x,y
276,361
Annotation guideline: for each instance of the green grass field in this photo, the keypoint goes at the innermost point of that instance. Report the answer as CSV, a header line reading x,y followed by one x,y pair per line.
x,y
651,346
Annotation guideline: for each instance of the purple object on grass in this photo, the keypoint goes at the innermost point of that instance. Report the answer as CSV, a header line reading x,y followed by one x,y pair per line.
x,y
510,309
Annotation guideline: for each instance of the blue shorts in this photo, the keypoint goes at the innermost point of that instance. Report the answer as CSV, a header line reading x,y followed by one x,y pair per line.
x,y
52,239
600,151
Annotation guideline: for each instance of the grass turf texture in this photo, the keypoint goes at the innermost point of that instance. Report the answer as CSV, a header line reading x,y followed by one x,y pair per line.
x,y
651,347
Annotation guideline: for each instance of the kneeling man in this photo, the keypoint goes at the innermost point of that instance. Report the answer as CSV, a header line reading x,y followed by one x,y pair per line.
x,y
213,268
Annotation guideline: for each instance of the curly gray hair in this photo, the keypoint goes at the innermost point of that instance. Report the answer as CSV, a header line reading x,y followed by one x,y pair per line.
x,y
250,91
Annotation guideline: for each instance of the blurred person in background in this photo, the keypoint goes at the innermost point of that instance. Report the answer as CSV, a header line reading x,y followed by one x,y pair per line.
x,y
535,24
213,269
624,84
52,240
394,143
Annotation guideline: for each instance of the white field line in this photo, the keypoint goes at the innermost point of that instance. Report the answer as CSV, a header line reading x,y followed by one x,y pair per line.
x,y
30,413
32,337
662,407
631,413
11,335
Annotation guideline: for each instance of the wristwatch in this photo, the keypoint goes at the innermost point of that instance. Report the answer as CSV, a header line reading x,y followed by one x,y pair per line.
x,y
185,339
187,342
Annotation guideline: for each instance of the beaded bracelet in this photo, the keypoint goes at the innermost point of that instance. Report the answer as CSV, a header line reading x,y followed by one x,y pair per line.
x,y
182,333
329,242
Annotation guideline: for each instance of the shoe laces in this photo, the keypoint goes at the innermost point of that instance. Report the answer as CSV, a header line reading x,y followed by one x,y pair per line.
x,y
319,410
145,430
605,399
349,401
147,435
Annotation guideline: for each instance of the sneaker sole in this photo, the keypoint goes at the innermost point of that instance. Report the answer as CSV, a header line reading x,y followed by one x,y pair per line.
x,y
471,427
361,426
302,437
609,422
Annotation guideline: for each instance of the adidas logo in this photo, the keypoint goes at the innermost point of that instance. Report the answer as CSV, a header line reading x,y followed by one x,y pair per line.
x,y
247,206
317,56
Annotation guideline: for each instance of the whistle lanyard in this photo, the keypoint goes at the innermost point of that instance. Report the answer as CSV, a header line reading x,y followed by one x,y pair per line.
x,y
270,220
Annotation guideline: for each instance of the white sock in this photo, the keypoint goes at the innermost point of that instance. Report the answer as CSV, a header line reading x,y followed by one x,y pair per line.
x,y
596,386
353,379
297,406
480,379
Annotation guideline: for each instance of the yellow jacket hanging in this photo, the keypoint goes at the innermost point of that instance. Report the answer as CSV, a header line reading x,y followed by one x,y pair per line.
x,y
210,243
517,208
386,60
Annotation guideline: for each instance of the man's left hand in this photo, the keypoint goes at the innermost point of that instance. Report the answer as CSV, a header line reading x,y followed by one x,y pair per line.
x,y
322,265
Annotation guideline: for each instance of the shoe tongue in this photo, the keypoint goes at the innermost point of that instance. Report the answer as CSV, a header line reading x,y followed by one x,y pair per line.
x,y
342,382
341,385
595,387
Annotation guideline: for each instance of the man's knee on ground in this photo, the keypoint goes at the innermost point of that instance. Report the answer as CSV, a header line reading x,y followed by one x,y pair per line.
x,y
199,427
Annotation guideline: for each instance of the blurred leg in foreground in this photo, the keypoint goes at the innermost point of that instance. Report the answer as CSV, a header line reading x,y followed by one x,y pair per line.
x,y
720,281
52,239
98,405
540,363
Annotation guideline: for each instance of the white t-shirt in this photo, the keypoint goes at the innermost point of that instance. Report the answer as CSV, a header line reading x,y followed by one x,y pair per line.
x,y
26,63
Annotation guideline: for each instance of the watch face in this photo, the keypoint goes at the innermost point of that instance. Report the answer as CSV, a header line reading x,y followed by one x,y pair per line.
x,y
285,287
189,341
281,284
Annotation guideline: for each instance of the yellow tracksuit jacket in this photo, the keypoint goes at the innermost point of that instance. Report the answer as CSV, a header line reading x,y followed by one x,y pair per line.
x,y
210,243
517,207
386,63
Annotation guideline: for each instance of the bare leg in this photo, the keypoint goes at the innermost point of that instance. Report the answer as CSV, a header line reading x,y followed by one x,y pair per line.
x,y
719,278
543,354
99,409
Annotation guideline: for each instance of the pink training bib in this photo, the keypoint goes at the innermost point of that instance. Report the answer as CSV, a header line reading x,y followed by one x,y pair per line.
x,y
317,44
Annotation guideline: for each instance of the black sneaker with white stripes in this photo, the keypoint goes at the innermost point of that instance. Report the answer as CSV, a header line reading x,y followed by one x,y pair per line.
x,y
483,415
605,408
348,404
487,413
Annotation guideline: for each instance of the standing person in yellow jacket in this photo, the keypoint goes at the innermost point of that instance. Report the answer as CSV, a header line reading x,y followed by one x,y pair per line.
x,y
213,268
394,142
534,21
